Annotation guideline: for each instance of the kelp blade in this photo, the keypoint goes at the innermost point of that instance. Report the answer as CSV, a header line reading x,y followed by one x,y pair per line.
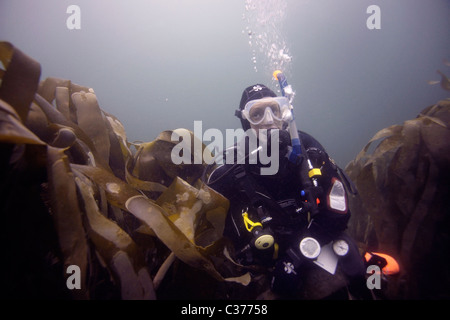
x,y
118,249
67,214
124,196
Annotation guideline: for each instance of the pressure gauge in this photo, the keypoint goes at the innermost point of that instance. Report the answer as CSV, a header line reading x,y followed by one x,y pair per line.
x,y
340,247
309,247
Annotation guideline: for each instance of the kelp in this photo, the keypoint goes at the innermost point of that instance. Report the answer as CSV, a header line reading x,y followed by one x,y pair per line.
x,y
122,217
176,228
20,79
153,162
116,248
12,130
67,214
402,207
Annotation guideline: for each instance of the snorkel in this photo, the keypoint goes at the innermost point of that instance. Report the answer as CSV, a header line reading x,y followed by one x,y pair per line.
x,y
298,154
286,91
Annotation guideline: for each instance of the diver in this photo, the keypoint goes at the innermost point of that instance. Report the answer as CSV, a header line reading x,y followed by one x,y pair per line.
x,y
280,221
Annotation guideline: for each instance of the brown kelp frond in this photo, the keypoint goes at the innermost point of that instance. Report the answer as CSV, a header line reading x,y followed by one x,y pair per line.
x,y
114,214
402,204
444,82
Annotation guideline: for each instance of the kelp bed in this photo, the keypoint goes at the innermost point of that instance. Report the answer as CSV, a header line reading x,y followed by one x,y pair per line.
x,y
403,205
75,191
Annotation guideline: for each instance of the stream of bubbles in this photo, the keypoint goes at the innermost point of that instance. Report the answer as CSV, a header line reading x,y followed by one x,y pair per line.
x,y
264,28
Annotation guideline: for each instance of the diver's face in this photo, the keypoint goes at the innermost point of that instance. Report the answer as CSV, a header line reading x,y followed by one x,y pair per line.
x,y
267,126
268,115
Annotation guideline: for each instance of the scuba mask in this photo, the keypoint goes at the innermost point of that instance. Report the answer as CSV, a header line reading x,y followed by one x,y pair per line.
x,y
267,109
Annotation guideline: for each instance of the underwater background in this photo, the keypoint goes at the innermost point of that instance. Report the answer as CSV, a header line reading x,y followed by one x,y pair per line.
x,y
161,65
370,80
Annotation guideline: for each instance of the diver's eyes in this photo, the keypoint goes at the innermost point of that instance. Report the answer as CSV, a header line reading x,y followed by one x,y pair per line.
x,y
258,111
275,110
257,114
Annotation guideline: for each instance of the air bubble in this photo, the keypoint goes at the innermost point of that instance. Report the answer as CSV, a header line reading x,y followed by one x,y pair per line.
x,y
264,23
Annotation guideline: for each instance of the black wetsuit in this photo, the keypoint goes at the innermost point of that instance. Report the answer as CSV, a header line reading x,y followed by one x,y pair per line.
x,y
283,194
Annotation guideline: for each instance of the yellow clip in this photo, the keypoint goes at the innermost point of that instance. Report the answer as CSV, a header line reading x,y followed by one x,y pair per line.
x,y
275,251
314,172
249,224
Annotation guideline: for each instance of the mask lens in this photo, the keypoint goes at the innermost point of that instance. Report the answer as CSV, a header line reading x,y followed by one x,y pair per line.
x,y
276,112
255,111
258,111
